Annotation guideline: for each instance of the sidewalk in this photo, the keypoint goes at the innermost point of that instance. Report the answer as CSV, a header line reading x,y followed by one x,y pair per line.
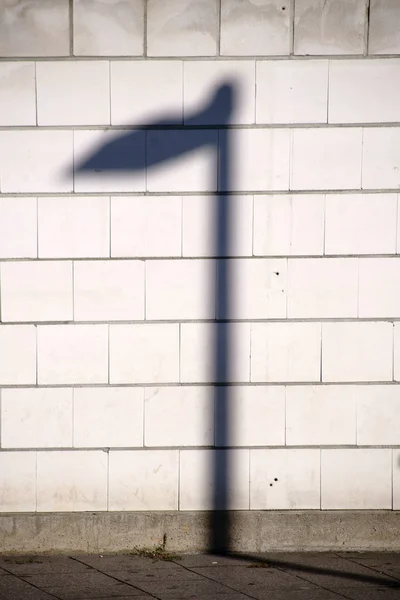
x,y
313,576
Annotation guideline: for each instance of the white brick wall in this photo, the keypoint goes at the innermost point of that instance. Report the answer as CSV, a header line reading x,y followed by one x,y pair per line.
x,y
114,211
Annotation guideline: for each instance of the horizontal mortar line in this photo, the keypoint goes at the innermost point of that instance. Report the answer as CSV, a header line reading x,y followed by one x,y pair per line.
x,y
205,57
149,194
269,257
210,321
108,449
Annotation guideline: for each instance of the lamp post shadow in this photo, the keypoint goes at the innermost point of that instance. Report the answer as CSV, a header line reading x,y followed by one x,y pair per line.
x,y
127,154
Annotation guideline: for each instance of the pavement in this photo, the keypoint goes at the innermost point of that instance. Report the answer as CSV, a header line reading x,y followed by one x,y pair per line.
x,y
159,575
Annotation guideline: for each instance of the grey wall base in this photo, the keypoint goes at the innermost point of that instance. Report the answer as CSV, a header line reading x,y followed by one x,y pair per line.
x,y
251,531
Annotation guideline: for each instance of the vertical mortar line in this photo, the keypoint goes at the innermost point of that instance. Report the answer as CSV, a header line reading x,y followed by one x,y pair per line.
x,y
145,28
36,94
219,24
366,26
71,27
291,28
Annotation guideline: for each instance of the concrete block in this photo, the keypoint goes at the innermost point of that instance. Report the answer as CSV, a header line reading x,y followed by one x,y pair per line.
x,y
34,28
143,480
72,481
17,355
378,408
35,161
384,35
364,91
322,288
36,291
17,93
18,481
283,352
73,93
36,418
258,288
360,224
135,92
199,222
193,169
109,290
203,78
359,479
291,91
108,28
360,351
109,161
108,417
146,226
259,28
396,479
256,416
147,353
18,227
74,227
284,479
321,415
198,348
326,159
396,352
182,28
289,225
180,290
72,354
179,416
329,26
379,287
381,158
197,484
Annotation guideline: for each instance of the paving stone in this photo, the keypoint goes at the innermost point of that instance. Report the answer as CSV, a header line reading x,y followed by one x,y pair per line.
x,y
30,565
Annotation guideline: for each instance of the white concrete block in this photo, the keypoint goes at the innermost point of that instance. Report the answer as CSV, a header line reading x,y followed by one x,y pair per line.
x,y
364,91
36,291
18,482
285,352
135,92
182,28
143,480
378,412
291,91
197,484
147,353
358,479
200,236
379,287
329,26
381,158
284,479
260,160
396,479
108,27
108,290
360,224
17,93
180,289
74,227
146,226
72,354
384,34
73,93
18,227
256,416
36,418
179,416
36,161
326,159
109,161
322,288
192,166
321,415
72,481
289,225
198,352
257,288
17,355
34,28
357,351
202,79
108,417
260,28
